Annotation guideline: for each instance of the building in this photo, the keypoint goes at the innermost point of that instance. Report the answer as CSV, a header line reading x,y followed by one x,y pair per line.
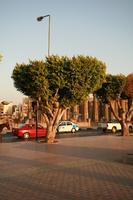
x,y
91,111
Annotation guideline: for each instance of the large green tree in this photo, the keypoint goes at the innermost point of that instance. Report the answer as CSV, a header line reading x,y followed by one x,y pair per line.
x,y
59,83
115,89
1,57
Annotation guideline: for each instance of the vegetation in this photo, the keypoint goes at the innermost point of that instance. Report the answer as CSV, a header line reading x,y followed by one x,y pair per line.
x,y
118,88
1,57
58,83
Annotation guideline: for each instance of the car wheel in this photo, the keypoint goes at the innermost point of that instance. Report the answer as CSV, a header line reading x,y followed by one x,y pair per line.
x,y
104,130
4,130
26,136
114,129
57,132
73,130
130,129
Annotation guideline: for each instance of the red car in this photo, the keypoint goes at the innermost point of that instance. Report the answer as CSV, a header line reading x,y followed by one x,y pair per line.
x,y
29,131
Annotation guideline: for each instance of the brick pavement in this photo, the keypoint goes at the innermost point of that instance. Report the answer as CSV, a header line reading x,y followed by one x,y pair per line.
x,y
80,168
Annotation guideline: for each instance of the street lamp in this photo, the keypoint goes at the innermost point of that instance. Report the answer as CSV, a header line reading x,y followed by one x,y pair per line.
x,y
40,19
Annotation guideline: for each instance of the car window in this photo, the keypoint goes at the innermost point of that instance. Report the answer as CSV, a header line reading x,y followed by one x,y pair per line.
x,y
62,124
39,126
69,123
30,125
21,125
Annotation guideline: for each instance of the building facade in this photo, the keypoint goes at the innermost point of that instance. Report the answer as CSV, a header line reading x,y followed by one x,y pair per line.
x,y
91,111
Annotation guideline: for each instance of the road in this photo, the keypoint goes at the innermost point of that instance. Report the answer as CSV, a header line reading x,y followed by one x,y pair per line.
x,y
8,137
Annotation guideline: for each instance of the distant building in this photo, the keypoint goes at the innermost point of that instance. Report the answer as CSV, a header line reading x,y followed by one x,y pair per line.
x,y
6,108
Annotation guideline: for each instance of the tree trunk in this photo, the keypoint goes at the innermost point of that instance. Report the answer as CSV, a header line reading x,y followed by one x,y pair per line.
x,y
122,118
51,127
51,133
52,122
124,129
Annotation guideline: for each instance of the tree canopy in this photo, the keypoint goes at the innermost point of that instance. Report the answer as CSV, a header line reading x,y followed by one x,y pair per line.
x,y
1,57
128,89
69,79
59,82
112,88
118,88
30,79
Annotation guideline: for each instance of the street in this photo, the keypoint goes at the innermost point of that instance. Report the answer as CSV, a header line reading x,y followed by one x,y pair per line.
x,y
8,137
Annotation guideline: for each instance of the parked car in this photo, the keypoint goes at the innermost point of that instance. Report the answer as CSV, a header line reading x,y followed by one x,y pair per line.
x,y
67,126
4,127
113,126
29,131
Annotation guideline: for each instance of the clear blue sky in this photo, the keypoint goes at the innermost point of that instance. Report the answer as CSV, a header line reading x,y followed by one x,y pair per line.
x,y
100,28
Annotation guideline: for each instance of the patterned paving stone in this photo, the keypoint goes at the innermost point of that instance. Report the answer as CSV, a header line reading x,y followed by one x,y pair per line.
x,y
84,168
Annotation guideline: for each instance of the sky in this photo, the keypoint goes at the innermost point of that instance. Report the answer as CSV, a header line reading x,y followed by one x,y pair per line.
x,y
98,28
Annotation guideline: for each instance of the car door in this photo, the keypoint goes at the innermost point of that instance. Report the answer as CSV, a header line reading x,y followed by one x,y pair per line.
x,y
62,127
68,126
32,130
41,131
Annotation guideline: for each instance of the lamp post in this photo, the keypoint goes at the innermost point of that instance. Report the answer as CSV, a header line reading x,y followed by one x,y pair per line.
x,y
40,19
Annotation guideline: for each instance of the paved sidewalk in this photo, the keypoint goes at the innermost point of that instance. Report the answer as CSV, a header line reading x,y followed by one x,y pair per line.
x,y
80,168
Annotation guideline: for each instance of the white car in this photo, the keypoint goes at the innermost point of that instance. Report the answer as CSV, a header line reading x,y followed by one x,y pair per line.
x,y
113,126
67,126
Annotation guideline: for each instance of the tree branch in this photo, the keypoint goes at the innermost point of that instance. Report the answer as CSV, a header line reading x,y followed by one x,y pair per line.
x,y
118,103
47,107
113,111
130,112
46,118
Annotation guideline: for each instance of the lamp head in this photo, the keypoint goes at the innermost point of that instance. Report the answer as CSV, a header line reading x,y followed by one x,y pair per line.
x,y
40,18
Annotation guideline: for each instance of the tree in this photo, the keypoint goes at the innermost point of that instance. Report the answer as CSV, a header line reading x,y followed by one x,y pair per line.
x,y
58,83
128,89
117,88
1,57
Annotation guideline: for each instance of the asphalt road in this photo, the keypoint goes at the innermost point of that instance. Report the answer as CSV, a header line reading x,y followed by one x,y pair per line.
x,y
9,137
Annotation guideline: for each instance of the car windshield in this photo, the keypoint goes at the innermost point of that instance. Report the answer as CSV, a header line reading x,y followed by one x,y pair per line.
x,y
21,125
62,124
114,121
69,123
